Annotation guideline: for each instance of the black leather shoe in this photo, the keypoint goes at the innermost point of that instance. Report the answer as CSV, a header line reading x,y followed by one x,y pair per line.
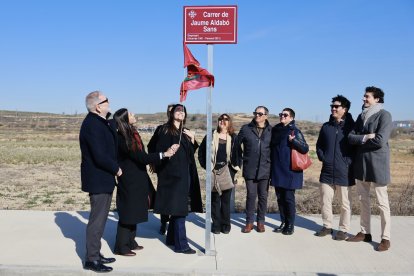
x,y
126,254
188,251
288,229
106,260
280,228
163,228
138,247
215,232
97,266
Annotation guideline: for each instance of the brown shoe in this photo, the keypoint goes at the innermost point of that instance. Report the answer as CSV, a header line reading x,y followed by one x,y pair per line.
x,y
248,228
341,236
361,237
260,227
384,245
324,232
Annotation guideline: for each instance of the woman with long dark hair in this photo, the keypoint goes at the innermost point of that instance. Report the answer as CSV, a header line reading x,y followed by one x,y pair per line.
x,y
134,186
178,189
225,162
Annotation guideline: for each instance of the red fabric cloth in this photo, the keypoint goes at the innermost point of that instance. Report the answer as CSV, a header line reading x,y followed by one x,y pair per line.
x,y
197,77
137,142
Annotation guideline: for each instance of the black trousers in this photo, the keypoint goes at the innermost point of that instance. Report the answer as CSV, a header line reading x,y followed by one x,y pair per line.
x,y
125,238
220,210
287,205
165,218
100,204
256,189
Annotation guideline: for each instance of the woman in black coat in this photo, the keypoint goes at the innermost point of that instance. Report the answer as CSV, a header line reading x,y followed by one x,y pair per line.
x,y
286,136
178,189
134,186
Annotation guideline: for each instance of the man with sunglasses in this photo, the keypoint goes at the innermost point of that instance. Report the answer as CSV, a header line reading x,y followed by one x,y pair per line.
x,y
99,167
336,155
372,164
255,138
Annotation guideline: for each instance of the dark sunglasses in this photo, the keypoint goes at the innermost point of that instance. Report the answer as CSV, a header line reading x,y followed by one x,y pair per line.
x,y
223,119
260,114
104,101
335,106
179,109
283,115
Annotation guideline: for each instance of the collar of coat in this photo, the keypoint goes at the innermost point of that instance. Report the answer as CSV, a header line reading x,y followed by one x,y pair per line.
x,y
253,126
348,119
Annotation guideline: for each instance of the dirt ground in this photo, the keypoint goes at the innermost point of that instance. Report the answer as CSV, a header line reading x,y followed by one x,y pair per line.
x,y
40,170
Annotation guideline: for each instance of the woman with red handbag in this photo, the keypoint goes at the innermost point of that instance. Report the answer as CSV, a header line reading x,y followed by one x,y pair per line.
x,y
285,137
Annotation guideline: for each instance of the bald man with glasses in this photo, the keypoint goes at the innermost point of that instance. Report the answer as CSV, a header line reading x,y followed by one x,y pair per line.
x,y
98,144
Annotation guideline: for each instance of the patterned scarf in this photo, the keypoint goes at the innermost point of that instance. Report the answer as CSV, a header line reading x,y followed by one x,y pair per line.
x,y
367,112
137,141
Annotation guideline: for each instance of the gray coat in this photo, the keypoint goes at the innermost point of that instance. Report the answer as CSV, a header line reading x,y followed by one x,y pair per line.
x,y
372,159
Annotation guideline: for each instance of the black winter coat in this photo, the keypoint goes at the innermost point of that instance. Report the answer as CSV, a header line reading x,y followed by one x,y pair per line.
x,y
256,151
98,144
178,189
335,152
135,189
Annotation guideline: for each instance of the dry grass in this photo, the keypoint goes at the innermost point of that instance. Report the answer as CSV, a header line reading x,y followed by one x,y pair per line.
x,y
40,163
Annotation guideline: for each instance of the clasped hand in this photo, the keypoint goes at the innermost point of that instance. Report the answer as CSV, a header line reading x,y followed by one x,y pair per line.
x,y
171,150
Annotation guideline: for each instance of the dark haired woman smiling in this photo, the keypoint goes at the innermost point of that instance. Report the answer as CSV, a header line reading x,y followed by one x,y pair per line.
x,y
134,186
285,137
178,190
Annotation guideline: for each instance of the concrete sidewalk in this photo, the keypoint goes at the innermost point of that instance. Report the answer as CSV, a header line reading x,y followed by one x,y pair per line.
x,y
53,243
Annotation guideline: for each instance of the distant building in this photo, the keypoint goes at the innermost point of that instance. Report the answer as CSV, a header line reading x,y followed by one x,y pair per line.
x,y
403,124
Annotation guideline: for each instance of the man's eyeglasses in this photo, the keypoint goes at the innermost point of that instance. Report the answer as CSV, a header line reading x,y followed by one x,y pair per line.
x,y
223,119
335,106
284,115
260,114
104,101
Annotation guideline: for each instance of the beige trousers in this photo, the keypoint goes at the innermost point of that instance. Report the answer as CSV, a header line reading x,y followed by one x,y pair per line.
x,y
363,189
344,195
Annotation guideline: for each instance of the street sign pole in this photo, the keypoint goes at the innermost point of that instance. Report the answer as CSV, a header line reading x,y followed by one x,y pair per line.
x,y
209,25
208,250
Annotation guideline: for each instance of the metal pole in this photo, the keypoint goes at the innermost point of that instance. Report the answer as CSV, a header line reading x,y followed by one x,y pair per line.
x,y
208,250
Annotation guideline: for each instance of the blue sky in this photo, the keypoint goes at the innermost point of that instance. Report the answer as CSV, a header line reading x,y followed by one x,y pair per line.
x,y
296,54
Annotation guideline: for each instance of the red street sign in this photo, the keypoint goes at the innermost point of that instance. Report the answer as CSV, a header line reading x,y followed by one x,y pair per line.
x,y
210,24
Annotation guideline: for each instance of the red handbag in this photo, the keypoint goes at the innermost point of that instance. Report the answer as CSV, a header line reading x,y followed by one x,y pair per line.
x,y
300,161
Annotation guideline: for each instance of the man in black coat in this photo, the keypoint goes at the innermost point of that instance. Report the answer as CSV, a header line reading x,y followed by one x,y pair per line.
x,y
99,167
336,155
255,138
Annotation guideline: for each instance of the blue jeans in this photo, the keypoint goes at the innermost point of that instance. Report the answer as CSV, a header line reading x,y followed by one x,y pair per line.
x,y
176,234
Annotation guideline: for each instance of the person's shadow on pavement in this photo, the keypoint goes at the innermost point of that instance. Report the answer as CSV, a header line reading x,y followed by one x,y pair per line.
x,y
72,227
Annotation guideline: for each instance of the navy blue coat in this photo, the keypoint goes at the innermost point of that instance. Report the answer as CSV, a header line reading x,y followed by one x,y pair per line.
x,y
98,144
282,174
256,151
335,152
